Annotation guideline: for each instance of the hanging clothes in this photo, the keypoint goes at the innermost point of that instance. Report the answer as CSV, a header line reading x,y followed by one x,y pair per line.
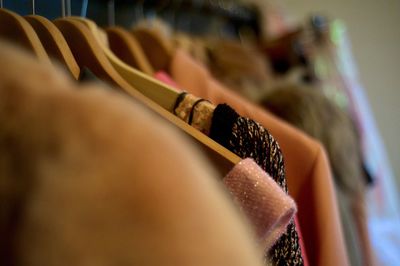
x,y
267,206
307,167
89,176
245,138
311,111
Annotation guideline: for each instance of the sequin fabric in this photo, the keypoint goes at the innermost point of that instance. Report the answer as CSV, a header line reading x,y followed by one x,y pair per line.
x,y
262,200
248,139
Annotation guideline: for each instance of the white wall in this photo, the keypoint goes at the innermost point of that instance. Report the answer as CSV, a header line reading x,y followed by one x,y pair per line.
x,y
374,29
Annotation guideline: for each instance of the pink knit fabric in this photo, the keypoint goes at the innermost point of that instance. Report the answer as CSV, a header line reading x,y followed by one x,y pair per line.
x,y
266,205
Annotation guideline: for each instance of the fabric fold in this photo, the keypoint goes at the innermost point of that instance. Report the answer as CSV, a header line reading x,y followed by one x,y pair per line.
x,y
265,204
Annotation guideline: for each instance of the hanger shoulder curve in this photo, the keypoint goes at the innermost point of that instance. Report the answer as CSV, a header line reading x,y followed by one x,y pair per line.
x,y
157,49
127,48
54,43
87,51
15,28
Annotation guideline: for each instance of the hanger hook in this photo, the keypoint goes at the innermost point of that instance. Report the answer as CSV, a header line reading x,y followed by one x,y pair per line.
x,y
63,8
85,4
33,7
111,12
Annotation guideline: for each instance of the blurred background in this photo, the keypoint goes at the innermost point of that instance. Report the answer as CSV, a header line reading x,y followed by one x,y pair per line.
x,y
348,50
374,39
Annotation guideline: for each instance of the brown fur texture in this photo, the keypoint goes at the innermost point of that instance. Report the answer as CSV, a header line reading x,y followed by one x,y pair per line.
x,y
240,66
311,111
89,177
315,114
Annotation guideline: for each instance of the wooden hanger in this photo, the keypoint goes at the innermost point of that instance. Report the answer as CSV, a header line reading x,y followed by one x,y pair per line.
x,y
15,28
127,48
54,43
163,95
89,53
158,49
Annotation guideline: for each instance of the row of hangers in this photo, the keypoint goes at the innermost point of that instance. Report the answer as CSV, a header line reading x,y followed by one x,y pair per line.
x,y
78,43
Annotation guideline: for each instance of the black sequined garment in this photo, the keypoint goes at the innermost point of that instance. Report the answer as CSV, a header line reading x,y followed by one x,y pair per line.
x,y
247,138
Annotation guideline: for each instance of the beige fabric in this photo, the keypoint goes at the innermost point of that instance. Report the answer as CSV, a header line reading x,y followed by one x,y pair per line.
x,y
103,181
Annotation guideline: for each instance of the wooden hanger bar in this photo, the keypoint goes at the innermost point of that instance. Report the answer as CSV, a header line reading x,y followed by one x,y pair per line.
x,y
156,47
54,43
15,28
160,93
89,53
128,49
